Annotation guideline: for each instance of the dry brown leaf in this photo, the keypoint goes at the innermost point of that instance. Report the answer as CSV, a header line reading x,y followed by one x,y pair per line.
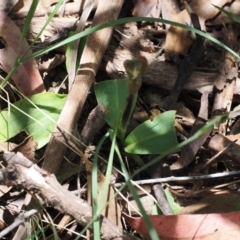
x,y
24,5
196,226
179,40
27,148
234,137
214,201
7,5
146,8
27,77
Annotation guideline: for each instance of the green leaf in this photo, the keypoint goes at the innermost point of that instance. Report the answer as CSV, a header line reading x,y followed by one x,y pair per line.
x,y
153,137
176,208
31,119
156,210
113,95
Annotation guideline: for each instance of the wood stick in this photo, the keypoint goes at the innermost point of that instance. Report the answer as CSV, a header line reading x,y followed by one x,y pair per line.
x,y
92,55
22,173
161,74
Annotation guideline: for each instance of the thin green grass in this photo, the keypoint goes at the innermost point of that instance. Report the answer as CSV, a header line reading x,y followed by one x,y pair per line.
x,y
208,127
96,209
26,26
122,21
114,147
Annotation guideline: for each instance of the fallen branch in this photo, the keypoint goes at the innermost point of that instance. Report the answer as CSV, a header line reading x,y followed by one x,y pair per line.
x,y
21,172
92,55
20,219
183,178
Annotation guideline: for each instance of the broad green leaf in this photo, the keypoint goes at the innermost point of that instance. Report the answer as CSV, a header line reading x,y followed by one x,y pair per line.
x,y
113,95
153,137
31,119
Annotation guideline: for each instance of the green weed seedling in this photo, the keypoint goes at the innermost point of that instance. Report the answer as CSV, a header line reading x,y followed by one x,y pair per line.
x,y
119,98
155,136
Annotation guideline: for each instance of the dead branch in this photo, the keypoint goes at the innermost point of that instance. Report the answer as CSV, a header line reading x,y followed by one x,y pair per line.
x,y
183,178
21,172
160,74
92,55
20,219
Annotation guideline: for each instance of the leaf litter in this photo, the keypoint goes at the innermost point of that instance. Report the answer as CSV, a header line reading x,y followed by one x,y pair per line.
x,y
208,213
